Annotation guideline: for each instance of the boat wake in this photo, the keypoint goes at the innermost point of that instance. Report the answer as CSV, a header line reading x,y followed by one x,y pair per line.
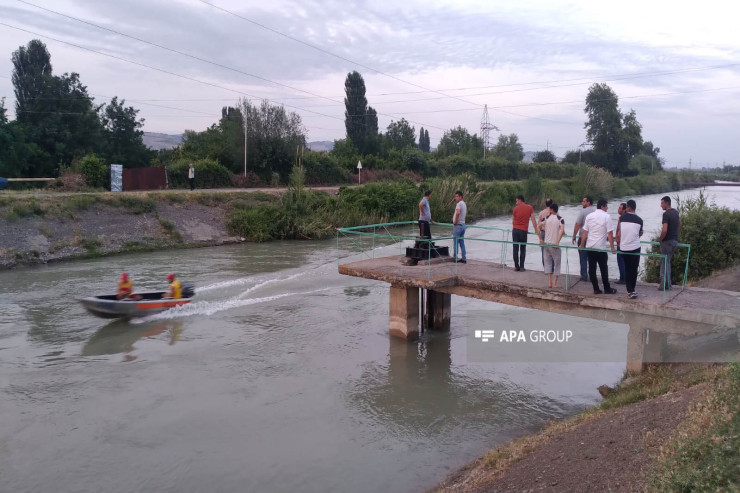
x,y
257,281
210,307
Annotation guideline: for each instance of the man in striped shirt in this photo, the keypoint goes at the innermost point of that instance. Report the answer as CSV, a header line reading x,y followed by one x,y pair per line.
x,y
629,231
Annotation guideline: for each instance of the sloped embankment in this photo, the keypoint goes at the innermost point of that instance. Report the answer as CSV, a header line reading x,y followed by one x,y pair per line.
x,y
40,229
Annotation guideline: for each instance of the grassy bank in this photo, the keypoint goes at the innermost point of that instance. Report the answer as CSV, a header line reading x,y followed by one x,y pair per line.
x,y
701,454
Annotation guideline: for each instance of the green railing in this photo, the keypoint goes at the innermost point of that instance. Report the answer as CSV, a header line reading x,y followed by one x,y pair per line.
x,y
390,231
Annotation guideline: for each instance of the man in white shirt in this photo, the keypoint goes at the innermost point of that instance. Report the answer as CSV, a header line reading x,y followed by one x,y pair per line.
x,y
458,226
587,209
597,229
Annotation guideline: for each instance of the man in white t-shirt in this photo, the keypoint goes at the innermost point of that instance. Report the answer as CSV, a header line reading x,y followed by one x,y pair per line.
x,y
629,231
587,209
597,229
458,226
191,177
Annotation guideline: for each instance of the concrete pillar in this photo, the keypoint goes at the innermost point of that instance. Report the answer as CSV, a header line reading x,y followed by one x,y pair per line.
x,y
644,346
404,312
437,310
635,349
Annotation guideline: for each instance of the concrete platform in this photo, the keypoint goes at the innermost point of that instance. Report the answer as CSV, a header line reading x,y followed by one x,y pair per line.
x,y
686,311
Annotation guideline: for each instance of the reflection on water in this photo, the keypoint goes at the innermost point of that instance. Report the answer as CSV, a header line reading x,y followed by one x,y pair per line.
x,y
120,336
418,393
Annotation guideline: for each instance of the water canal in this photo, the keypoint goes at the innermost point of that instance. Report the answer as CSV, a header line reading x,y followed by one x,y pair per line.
x,y
281,376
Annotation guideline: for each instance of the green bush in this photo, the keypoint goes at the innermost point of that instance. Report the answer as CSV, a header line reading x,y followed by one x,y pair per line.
x,y
95,171
257,224
534,191
208,174
393,201
589,180
714,235
323,169
499,197
621,188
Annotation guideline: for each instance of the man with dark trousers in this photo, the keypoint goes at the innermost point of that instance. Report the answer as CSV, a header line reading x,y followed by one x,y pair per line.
x,y
587,209
620,258
523,214
597,229
668,240
629,231
425,216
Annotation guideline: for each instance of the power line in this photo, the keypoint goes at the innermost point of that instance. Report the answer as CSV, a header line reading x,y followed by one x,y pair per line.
x,y
161,70
194,57
279,33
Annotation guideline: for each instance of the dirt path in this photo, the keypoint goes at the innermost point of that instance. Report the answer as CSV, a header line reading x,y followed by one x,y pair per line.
x,y
608,453
728,279
272,190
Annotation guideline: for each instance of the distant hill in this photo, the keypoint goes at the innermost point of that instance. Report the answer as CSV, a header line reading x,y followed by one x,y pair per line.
x,y
321,145
156,141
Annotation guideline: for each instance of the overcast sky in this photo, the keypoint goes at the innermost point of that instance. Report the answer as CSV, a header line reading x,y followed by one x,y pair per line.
x,y
435,63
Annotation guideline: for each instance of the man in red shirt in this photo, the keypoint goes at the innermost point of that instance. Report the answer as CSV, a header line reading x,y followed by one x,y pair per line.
x,y
523,214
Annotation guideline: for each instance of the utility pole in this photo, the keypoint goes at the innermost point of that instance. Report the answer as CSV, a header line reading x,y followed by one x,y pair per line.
x,y
485,130
246,112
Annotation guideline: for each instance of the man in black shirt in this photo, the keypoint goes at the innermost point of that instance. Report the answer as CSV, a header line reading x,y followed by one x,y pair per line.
x,y
668,240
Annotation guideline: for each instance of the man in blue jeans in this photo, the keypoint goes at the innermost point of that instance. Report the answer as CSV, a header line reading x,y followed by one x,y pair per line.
x,y
458,226
587,209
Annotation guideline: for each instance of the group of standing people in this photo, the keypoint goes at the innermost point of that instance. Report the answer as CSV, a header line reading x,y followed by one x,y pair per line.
x,y
593,231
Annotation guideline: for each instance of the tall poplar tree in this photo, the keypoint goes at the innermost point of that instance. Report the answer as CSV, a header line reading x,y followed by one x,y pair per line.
x,y
355,110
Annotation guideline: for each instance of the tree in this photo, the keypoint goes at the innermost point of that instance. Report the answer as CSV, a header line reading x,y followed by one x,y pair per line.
x,y
124,137
604,128
424,140
31,79
631,135
509,148
544,157
649,149
400,134
55,114
372,135
355,109
273,135
459,141
3,114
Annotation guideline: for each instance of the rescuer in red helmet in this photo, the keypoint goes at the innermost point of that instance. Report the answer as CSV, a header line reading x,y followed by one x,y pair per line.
x,y
126,289
175,290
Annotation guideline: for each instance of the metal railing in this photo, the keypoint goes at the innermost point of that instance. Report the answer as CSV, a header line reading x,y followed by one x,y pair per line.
x,y
390,231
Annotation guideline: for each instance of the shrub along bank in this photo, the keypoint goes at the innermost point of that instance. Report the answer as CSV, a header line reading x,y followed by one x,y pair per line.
x,y
299,213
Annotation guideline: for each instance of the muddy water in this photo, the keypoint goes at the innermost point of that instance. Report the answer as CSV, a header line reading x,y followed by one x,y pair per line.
x,y
279,377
